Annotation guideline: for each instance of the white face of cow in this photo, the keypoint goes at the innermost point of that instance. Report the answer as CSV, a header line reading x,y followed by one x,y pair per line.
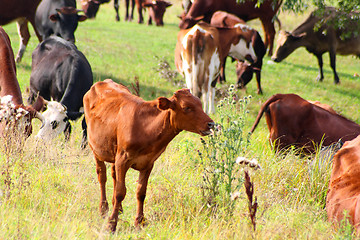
x,y
56,121
241,49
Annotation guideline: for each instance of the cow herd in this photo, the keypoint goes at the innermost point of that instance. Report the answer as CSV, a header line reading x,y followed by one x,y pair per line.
x,y
129,132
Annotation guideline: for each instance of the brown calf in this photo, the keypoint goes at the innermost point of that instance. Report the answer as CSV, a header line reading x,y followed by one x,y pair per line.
x,y
129,132
294,121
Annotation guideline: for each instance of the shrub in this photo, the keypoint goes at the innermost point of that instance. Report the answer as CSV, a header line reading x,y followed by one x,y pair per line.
x,y
222,175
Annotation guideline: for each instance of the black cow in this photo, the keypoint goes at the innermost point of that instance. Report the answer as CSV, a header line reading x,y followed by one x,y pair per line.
x,y
319,37
58,17
61,72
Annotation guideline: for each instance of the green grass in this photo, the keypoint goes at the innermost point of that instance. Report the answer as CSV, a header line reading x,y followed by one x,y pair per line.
x,y
54,188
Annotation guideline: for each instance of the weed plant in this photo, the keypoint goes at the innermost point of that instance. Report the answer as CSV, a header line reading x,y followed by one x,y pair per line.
x,y
221,177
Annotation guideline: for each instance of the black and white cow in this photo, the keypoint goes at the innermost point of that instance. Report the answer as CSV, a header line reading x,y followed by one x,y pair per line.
x,y
58,17
62,73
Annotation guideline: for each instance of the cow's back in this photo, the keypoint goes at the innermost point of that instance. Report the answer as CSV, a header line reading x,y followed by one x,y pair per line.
x,y
321,38
201,57
8,82
111,105
13,9
61,72
344,186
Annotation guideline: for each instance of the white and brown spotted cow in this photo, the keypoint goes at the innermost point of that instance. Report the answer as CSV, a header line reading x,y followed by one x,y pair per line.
x,y
200,52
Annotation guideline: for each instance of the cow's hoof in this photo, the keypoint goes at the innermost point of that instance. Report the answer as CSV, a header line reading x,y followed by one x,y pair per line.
x,y
111,227
141,222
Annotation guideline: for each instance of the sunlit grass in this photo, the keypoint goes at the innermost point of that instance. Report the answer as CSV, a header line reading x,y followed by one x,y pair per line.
x,y
59,196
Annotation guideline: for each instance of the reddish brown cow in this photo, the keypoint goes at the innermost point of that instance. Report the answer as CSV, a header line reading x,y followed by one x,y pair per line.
x,y
247,10
344,187
9,84
129,132
23,11
294,121
244,70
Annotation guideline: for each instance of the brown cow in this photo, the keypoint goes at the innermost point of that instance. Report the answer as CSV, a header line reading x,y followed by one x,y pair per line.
x,y
344,186
244,70
246,10
21,11
292,120
91,7
129,132
156,10
318,37
200,52
9,86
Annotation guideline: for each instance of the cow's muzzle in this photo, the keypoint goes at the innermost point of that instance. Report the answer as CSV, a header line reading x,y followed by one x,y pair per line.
x,y
275,59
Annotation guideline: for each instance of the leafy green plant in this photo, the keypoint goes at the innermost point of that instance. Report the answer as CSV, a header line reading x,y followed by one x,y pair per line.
x,y
221,175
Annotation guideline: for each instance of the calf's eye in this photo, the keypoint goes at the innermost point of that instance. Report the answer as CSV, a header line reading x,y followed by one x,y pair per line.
x,y
54,124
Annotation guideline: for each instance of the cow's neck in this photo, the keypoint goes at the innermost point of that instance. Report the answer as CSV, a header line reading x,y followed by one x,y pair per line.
x,y
159,125
10,87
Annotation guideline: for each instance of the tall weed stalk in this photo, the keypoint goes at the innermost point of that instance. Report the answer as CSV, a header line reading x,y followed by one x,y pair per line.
x,y
222,176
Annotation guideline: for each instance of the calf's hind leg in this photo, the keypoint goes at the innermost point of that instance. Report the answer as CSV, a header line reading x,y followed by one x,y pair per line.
x,y
101,172
119,173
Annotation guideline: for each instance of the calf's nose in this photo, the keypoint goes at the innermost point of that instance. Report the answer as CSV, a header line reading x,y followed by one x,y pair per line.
x,y
275,59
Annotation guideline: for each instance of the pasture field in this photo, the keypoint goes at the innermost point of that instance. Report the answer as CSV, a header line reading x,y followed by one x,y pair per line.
x,y
50,190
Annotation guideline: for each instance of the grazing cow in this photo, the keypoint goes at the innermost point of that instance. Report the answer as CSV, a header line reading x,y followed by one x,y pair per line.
x,y
91,7
21,11
244,70
344,187
292,120
60,72
59,18
129,132
324,38
9,86
246,10
156,10
200,52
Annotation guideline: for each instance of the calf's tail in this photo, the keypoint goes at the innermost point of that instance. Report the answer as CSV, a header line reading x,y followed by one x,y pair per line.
x,y
264,108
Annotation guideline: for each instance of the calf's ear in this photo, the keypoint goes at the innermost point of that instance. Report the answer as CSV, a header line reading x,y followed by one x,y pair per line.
x,y
164,103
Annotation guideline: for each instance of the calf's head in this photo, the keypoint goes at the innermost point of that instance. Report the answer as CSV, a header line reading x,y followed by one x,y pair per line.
x,y
56,120
66,20
156,10
286,44
186,112
244,72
